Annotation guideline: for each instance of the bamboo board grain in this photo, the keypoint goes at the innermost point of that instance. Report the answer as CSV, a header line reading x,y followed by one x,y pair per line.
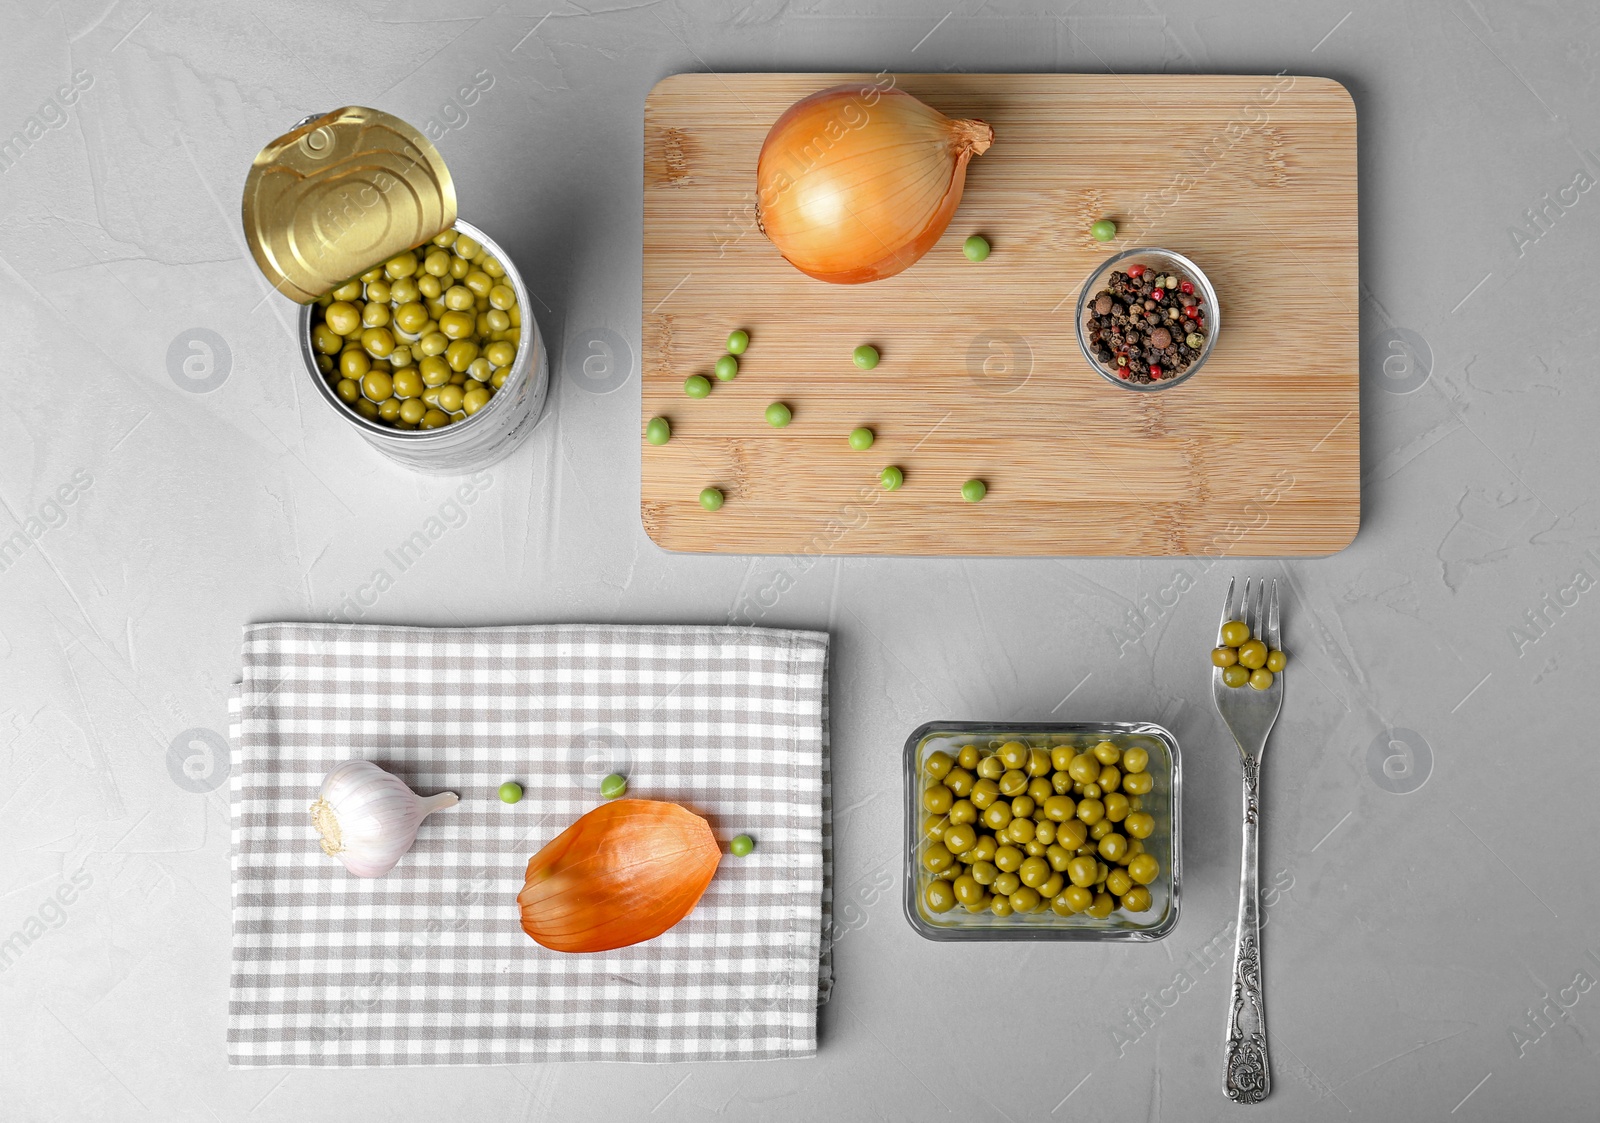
x,y
1254,178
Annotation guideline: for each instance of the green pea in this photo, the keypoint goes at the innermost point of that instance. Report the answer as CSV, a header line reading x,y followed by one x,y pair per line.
x,y
741,845
976,248
511,792
861,439
727,368
891,478
710,498
697,386
779,415
866,356
613,786
737,342
658,432
1103,231
974,490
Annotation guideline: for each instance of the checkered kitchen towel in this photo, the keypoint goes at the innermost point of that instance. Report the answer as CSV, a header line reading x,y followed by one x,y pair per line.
x,y
429,964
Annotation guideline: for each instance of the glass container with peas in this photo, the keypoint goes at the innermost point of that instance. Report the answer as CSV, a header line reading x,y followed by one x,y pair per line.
x,y
414,324
1042,831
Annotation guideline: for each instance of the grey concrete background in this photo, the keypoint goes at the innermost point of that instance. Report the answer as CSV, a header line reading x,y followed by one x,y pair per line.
x,y
1430,949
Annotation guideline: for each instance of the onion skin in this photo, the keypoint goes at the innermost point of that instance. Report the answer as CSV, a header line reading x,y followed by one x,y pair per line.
x,y
622,874
888,167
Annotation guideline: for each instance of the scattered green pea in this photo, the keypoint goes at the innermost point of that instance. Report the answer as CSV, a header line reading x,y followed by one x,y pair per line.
x,y
976,248
697,386
866,356
710,498
861,439
741,845
974,490
658,431
891,478
1103,231
727,368
779,415
613,786
511,792
737,342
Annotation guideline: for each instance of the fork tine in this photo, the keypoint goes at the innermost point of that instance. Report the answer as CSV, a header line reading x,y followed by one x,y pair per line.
x,y
1258,612
1227,608
1272,637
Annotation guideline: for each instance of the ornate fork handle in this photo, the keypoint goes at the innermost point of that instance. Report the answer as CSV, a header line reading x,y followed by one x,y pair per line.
x,y
1249,1074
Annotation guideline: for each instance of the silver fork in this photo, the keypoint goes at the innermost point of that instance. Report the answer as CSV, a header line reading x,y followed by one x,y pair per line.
x,y
1249,714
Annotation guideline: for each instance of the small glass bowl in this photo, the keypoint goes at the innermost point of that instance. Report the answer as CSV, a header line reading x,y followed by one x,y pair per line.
x,y
1166,261
1162,803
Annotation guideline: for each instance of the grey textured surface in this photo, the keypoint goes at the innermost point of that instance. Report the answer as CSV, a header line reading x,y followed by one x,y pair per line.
x,y
1430,954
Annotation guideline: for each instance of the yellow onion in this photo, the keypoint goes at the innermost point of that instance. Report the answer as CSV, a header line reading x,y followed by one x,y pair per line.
x,y
625,872
855,184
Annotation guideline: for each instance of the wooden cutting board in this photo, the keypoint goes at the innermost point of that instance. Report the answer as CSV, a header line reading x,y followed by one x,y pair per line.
x,y
1254,178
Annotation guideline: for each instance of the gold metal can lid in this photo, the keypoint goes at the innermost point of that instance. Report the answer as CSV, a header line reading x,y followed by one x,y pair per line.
x,y
339,194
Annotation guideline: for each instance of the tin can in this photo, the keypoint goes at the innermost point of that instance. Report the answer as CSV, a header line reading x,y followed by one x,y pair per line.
x,y
344,192
485,437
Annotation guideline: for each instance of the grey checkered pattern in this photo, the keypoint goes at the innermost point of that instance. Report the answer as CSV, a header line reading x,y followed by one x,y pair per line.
x,y
429,964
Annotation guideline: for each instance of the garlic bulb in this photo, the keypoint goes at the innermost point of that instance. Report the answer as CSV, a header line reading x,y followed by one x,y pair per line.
x,y
368,819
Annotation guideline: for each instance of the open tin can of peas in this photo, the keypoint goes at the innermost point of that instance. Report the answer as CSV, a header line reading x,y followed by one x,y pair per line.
x,y
414,325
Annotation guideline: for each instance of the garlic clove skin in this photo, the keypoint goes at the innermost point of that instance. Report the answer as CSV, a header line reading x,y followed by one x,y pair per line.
x,y
368,818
